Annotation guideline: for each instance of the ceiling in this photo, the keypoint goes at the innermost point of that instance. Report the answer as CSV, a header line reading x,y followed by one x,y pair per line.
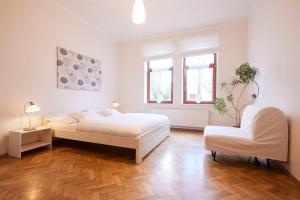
x,y
114,16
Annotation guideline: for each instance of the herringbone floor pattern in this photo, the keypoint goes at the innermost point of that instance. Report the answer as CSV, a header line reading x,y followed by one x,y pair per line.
x,y
177,169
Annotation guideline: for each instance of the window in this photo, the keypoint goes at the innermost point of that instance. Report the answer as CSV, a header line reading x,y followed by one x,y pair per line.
x,y
160,81
199,79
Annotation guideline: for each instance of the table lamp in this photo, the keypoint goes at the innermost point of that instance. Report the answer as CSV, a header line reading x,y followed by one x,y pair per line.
x,y
30,107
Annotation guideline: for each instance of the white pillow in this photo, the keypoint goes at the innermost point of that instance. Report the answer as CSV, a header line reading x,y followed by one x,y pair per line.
x,y
87,115
110,111
62,119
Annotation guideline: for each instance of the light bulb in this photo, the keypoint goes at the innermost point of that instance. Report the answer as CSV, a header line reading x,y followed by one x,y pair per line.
x,y
138,14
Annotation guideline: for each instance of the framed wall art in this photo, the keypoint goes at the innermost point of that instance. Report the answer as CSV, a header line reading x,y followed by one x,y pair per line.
x,y
77,72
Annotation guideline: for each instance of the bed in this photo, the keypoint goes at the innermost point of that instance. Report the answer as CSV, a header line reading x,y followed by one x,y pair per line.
x,y
139,131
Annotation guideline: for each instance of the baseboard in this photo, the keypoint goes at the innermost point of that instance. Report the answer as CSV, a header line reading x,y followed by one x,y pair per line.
x,y
184,128
286,171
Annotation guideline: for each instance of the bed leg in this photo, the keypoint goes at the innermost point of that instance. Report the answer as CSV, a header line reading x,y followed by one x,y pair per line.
x,y
138,160
138,157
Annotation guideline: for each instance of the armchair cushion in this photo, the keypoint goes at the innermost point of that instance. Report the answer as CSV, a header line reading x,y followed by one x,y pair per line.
x,y
227,140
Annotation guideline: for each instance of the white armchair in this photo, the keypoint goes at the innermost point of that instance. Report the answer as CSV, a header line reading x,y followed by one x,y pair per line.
x,y
263,133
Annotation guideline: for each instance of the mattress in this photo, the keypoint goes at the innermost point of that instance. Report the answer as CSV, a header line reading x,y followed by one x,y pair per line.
x,y
126,125
129,125
63,126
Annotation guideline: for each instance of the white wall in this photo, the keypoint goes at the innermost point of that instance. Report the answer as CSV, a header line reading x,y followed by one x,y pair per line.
x,y
274,47
30,32
231,54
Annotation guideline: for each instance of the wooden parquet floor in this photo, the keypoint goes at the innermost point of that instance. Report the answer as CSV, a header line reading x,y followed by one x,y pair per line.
x,y
179,168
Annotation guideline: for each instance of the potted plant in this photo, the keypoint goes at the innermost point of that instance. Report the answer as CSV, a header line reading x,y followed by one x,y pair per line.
x,y
245,76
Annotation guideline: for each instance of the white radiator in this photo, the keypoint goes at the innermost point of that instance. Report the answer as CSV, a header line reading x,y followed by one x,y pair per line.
x,y
185,117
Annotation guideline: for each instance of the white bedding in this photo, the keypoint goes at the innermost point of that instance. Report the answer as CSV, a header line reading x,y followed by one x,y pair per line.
x,y
130,124
63,126
127,125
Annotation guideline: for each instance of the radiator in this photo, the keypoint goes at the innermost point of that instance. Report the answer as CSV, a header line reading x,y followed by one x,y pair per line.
x,y
185,117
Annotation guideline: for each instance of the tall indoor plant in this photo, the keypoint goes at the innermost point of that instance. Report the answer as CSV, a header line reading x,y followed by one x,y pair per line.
x,y
245,76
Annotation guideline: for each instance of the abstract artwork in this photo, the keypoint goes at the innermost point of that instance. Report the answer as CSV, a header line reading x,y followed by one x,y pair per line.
x,y
77,72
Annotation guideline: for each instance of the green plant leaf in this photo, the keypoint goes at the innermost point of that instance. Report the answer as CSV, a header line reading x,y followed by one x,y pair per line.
x,y
235,82
246,73
230,98
220,105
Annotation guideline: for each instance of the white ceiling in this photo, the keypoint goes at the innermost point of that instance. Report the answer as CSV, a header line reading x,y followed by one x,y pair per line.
x,y
114,16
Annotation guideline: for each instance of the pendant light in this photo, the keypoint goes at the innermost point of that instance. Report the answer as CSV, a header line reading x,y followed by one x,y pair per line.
x,y
138,14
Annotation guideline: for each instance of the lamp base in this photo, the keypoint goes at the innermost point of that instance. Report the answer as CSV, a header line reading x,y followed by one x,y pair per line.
x,y
29,129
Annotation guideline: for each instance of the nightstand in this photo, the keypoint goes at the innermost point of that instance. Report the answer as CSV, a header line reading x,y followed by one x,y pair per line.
x,y
21,141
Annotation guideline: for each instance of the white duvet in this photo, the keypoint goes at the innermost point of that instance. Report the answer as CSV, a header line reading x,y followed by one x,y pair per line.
x,y
130,124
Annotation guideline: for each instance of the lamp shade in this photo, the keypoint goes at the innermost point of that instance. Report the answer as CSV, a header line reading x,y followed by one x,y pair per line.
x,y
138,13
30,107
115,104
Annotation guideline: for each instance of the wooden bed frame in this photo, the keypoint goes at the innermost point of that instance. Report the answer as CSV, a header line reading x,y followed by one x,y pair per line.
x,y
143,144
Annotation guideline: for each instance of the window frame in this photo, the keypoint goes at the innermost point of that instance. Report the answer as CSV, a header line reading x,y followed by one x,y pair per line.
x,y
149,70
214,86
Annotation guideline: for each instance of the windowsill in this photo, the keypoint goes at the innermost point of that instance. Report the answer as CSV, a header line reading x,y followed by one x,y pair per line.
x,y
180,106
